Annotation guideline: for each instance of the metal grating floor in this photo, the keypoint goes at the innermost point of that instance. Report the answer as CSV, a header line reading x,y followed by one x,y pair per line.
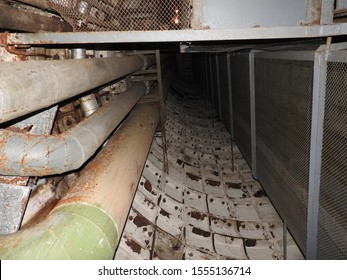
x,y
202,209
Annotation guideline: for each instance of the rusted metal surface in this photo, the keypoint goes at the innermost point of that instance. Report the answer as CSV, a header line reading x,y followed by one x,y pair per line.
x,y
15,191
40,79
13,200
16,18
43,4
42,155
38,124
314,10
22,53
44,198
110,180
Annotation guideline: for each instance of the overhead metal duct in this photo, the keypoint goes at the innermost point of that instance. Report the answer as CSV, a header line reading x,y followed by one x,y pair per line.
x,y
28,86
42,155
88,221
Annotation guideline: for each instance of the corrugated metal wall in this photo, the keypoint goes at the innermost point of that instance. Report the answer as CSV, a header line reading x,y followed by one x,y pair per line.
x,y
300,134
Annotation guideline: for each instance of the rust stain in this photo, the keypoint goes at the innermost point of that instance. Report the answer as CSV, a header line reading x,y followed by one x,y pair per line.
x,y
201,232
136,248
164,213
250,242
73,199
20,130
193,177
259,193
212,183
148,186
141,221
18,181
315,12
198,215
13,50
235,186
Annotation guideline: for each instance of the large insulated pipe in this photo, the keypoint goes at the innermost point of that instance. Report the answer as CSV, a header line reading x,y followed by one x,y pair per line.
x,y
43,4
88,221
27,86
41,155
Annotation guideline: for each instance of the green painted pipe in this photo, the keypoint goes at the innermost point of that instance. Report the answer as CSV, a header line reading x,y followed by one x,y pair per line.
x,y
87,222
74,231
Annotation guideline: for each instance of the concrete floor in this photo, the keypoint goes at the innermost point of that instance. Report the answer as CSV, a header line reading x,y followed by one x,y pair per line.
x,y
206,207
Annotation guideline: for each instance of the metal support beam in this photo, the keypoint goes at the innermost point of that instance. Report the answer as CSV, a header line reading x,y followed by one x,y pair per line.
x,y
327,13
218,88
253,114
178,35
318,107
230,91
211,81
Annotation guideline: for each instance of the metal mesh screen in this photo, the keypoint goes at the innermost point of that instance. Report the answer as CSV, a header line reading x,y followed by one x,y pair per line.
x,y
124,15
332,232
283,114
241,103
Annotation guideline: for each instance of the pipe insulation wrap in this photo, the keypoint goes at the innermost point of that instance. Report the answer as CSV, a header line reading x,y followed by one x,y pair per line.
x,y
87,222
43,155
71,232
28,86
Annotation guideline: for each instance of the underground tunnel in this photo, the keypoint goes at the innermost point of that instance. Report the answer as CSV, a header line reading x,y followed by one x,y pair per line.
x,y
173,130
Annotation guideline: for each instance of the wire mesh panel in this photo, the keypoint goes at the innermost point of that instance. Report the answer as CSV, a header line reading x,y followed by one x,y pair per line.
x,y
283,116
241,103
332,230
124,15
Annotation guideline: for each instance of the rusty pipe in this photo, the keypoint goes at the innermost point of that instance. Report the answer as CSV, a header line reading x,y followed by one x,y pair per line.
x,y
43,4
27,86
88,221
42,155
26,20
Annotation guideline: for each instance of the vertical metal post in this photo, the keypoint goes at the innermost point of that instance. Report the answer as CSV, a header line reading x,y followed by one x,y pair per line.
x,y
162,110
219,89
318,106
253,115
285,240
211,79
204,77
230,91
159,77
327,12
206,80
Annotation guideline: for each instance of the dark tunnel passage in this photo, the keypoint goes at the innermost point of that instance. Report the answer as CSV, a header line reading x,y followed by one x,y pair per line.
x,y
207,205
